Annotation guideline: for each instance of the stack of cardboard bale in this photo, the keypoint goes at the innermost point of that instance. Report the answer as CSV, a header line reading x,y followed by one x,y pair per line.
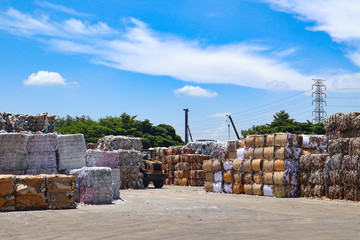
x,y
13,153
97,158
342,165
213,169
41,153
130,158
311,175
36,192
43,122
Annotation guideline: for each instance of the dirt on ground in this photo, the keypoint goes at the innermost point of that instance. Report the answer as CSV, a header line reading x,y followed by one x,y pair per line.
x,y
176,212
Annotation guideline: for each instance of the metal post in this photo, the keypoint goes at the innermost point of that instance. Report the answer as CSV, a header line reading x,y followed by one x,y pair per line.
x,y
186,125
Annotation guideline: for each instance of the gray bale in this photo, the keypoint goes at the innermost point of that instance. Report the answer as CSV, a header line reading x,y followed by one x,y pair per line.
x,y
71,151
111,143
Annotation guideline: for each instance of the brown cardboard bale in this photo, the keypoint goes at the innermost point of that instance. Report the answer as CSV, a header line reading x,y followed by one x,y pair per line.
x,y
60,183
209,176
336,177
30,202
281,191
7,203
209,187
341,145
268,178
350,133
352,193
318,161
270,140
249,153
260,141
207,166
61,200
281,153
216,165
250,141
335,192
30,185
281,139
334,162
228,177
257,177
232,155
331,123
257,189
177,181
305,163
351,178
279,165
184,182
247,165
177,158
238,188
346,121
317,178
304,178
232,146
237,164
350,162
281,178
197,174
305,191
259,152
7,185
269,153
256,165
268,165
354,146
248,178
237,176
248,189
318,191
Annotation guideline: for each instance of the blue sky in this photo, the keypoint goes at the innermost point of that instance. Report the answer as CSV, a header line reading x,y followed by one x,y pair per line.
x,y
154,58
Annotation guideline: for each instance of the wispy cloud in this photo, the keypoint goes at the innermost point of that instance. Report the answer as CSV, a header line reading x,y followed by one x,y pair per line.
x,y
194,91
60,8
220,115
138,48
45,78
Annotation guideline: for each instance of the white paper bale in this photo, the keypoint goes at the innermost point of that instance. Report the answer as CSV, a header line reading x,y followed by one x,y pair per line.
x,y
111,143
268,190
228,188
220,149
240,153
71,151
228,165
41,162
206,147
218,176
217,187
42,143
115,175
129,157
13,143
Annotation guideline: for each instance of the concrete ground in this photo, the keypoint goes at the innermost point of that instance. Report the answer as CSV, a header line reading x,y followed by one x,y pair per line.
x,y
176,212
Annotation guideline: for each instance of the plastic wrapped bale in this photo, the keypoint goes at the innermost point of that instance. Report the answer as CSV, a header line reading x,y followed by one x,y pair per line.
x,y
339,146
7,189
95,185
71,151
60,191
111,143
268,190
13,153
97,158
130,177
30,192
129,158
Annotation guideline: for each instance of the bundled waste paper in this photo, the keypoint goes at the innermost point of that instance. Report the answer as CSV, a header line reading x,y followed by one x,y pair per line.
x,y
71,151
43,122
111,143
13,153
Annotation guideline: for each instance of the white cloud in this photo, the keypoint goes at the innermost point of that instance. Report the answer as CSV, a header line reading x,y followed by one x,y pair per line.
x,y
193,91
45,78
220,115
60,8
339,19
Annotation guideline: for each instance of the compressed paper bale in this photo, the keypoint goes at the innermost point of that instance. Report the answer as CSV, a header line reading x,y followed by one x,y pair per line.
x,y
269,153
250,141
7,197
306,191
257,177
209,187
240,153
341,145
247,165
318,161
196,182
111,143
97,158
268,190
281,178
220,150
228,177
209,176
268,166
331,123
41,163
346,121
206,147
334,162
294,178
352,193
228,188
248,189
248,178
305,163
237,164
42,143
227,165
71,151
216,166
351,177
129,157
197,174
268,178
281,191
94,195
30,192
279,165
336,177
60,191
217,187
115,185
256,165
304,178
184,182
281,139
218,176
237,176
335,192
257,189
249,153
259,153
260,141
270,140
318,191
13,163
317,178
354,146
238,188
130,177
13,143
43,122
350,162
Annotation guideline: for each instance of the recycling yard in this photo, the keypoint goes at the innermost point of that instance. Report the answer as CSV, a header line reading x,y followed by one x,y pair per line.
x,y
177,212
